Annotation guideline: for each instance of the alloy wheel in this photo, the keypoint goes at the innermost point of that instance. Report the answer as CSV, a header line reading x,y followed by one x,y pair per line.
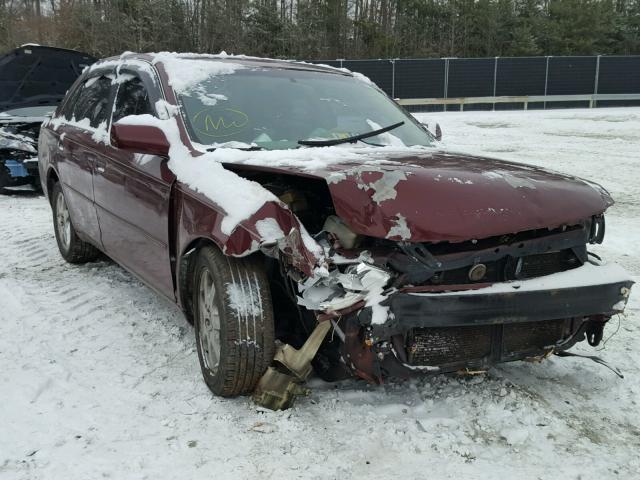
x,y
208,322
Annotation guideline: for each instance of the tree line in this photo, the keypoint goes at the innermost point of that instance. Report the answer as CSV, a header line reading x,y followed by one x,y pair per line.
x,y
328,29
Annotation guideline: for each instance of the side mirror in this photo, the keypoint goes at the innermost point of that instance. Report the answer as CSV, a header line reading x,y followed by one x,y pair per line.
x,y
438,133
139,139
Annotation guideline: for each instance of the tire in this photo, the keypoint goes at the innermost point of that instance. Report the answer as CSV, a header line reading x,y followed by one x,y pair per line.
x,y
238,303
72,249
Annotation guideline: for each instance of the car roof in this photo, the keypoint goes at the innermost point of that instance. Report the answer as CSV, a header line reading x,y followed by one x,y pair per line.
x,y
223,57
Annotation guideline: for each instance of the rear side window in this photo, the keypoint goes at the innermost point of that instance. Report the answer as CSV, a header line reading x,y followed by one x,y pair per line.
x,y
92,101
132,99
67,109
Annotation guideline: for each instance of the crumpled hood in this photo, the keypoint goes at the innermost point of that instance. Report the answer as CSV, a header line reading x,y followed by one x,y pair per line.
x,y
452,197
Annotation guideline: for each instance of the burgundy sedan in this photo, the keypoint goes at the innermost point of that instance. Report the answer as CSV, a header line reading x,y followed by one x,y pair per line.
x,y
295,211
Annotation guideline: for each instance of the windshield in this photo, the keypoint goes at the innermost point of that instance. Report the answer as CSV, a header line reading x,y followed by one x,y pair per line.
x,y
274,109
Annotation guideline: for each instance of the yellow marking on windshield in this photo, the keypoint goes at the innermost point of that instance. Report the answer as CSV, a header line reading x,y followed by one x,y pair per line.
x,y
219,122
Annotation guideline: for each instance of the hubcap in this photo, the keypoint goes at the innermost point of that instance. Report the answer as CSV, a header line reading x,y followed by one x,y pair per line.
x,y
208,322
63,222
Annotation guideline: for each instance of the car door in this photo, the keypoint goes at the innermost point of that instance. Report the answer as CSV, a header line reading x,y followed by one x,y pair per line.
x,y
133,193
81,131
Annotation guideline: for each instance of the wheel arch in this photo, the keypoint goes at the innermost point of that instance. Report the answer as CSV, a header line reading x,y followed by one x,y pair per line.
x,y
186,262
51,179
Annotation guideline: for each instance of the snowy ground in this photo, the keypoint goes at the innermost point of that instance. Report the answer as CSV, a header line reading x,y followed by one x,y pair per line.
x,y
100,379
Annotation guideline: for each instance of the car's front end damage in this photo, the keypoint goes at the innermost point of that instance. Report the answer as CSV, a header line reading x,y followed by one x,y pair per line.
x,y
421,299
18,152
408,311
385,256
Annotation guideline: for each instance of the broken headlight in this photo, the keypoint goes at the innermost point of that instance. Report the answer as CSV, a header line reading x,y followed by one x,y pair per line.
x,y
341,231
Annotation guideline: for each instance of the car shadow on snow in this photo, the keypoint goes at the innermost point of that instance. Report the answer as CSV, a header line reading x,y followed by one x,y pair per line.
x,y
26,192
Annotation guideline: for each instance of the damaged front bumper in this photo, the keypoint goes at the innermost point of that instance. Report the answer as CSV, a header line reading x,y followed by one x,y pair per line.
x,y
18,159
439,329
574,293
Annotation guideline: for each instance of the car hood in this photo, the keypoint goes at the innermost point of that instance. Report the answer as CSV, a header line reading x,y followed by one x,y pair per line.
x,y
34,75
440,196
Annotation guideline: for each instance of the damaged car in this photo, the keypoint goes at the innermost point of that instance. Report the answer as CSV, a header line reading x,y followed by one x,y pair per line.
x,y
303,221
33,81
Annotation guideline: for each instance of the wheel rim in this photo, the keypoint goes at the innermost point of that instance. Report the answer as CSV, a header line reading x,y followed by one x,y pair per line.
x,y
63,222
208,322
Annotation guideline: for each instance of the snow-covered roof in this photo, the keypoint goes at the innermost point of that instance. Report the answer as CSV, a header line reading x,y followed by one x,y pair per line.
x,y
163,57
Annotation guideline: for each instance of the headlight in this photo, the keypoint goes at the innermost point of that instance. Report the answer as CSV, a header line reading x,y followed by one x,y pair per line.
x,y
596,234
348,238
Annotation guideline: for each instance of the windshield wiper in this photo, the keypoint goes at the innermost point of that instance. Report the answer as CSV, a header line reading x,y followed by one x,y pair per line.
x,y
254,148
353,139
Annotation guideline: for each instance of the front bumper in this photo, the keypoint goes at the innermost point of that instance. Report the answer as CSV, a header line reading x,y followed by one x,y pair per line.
x,y
430,332
585,291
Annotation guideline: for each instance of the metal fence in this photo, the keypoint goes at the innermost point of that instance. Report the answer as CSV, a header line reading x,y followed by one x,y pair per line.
x,y
504,82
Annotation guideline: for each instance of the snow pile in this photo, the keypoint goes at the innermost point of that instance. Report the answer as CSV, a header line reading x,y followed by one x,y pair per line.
x,y
184,73
317,158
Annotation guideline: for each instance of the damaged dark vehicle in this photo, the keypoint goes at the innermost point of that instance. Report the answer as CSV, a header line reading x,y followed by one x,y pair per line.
x,y
33,81
368,251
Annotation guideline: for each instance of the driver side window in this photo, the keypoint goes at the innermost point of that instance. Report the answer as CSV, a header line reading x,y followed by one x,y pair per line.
x,y
132,99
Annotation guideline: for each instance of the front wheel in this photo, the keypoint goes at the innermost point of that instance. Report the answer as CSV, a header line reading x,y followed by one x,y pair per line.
x,y
233,318
72,249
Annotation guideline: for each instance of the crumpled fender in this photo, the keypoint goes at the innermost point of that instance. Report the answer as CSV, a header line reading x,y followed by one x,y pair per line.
x,y
293,240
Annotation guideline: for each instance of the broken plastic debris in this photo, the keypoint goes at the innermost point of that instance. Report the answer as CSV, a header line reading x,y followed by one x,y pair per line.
x,y
341,290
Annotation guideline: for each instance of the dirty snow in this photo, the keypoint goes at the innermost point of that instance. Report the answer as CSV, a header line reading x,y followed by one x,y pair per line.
x,y
100,377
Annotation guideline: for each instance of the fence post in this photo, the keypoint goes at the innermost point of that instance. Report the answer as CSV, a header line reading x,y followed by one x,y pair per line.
x,y
495,76
594,101
546,82
446,80
393,78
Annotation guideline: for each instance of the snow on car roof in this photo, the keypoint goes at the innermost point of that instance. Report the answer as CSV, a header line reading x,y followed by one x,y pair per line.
x,y
244,60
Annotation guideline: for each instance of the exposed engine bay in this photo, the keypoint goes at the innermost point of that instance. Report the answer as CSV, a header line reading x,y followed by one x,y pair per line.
x,y
19,154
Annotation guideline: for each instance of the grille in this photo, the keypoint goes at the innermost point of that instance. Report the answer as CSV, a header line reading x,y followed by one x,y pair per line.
x,y
533,266
510,268
451,345
437,346
520,337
